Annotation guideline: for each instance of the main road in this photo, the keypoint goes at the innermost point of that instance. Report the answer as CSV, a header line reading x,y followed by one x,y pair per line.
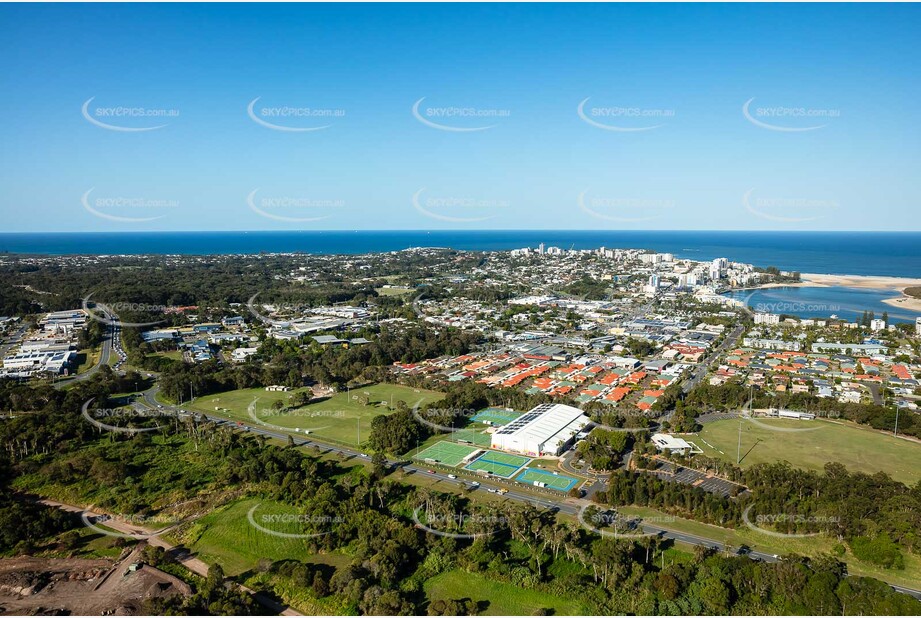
x,y
569,506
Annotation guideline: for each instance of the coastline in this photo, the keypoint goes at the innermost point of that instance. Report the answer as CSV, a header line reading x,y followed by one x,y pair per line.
x,y
896,284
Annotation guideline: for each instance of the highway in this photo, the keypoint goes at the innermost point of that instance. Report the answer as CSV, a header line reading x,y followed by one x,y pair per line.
x,y
112,332
562,504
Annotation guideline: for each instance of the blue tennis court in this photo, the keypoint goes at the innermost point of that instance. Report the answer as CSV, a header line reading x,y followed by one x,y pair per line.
x,y
556,481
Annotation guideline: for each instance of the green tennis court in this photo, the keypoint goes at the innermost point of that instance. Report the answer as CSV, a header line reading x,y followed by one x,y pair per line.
x,y
500,464
556,481
473,436
447,453
496,416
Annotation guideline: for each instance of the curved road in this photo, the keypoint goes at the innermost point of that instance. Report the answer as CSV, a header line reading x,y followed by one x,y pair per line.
x,y
562,504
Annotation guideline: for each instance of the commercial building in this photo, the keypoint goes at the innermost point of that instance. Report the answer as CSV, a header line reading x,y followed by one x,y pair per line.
x,y
545,430
672,444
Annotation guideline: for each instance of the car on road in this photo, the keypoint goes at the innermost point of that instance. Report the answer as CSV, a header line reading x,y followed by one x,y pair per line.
x,y
452,476
475,484
430,471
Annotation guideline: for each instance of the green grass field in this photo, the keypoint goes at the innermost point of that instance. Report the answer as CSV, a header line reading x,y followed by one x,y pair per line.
x,y
503,599
227,537
447,453
339,418
859,448
474,436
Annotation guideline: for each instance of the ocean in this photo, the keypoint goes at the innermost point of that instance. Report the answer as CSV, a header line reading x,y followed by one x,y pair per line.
x,y
895,254
823,302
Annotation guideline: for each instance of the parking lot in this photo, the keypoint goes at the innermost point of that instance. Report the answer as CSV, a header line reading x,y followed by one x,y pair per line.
x,y
709,483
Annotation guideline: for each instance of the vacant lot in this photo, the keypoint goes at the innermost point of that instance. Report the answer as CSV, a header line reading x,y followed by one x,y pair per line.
x,y
228,537
340,418
769,440
502,599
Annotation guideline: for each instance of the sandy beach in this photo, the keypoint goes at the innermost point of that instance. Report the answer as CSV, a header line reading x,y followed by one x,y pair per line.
x,y
896,284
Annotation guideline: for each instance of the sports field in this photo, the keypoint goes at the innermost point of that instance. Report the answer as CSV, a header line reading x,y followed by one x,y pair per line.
x,y
340,418
447,453
496,416
473,436
556,481
811,444
500,464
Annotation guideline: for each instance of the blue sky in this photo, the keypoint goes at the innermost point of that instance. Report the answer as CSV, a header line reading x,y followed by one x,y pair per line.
x,y
845,76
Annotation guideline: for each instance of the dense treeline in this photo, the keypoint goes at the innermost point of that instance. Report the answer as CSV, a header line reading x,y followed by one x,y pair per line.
x,y
370,516
874,514
294,364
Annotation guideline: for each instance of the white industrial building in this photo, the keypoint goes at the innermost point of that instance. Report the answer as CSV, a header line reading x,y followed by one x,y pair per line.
x,y
673,444
545,430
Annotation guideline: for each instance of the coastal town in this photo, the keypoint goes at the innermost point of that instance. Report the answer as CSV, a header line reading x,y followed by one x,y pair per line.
x,y
536,374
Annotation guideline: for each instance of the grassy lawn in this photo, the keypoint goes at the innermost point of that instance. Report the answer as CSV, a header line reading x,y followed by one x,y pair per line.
x,y
87,358
859,448
811,546
503,599
338,418
227,537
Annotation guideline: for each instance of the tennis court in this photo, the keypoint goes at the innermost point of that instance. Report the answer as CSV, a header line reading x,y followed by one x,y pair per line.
x,y
496,416
447,453
556,481
473,436
500,464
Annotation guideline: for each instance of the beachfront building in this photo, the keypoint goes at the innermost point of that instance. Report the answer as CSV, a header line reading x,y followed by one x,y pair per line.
x,y
767,318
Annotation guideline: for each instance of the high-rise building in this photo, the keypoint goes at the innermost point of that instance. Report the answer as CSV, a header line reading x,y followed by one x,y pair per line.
x,y
918,326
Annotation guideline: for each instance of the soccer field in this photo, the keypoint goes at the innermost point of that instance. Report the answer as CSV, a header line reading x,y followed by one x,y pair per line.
x,y
447,453
859,448
556,481
500,464
473,436
340,418
496,416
